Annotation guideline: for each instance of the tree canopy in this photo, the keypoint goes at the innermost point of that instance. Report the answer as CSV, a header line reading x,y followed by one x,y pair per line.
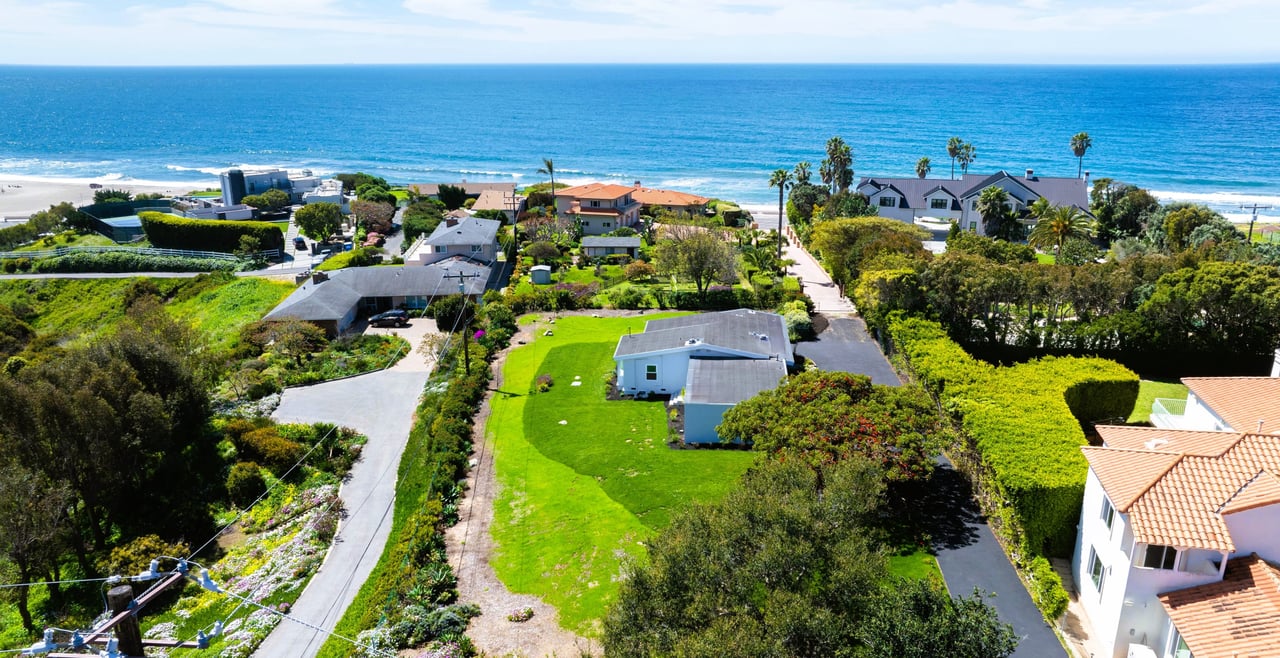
x,y
318,221
695,254
828,416
272,200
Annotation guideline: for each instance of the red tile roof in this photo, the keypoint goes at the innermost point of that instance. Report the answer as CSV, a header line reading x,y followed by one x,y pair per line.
x,y
1237,617
655,197
1241,401
1185,442
1179,498
596,191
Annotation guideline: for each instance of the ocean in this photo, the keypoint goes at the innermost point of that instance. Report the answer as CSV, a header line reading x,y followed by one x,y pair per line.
x,y
1204,133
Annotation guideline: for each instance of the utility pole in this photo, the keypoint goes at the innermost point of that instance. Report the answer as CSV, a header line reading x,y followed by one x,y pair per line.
x,y
128,632
462,309
1255,208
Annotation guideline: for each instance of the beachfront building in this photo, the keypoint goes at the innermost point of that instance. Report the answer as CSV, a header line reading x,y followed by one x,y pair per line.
x,y
1180,533
328,191
509,203
306,188
670,200
599,207
910,199
469,237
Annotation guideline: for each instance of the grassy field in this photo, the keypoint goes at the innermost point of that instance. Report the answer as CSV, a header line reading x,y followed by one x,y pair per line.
x,y
1148,391
220,312
917,564
577,498
65,240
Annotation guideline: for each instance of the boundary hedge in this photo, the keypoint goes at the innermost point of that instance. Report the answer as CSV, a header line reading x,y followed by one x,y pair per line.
x,y
1024,423
174,232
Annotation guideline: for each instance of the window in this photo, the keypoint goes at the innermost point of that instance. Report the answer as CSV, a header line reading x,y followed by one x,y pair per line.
x,y
1157,556
973,227
888,201
440,249
651,372
477,248
1097,572
607,224
1108,512
973,205
595,204
1180,648
938,204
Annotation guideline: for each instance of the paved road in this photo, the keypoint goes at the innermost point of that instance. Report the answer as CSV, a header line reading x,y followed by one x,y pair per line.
x,y
970,557
381,406
846,346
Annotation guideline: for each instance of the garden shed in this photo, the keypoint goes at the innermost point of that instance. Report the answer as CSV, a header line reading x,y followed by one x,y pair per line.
x,y
540,274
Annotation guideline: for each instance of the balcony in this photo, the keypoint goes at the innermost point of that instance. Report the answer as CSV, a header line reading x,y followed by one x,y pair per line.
x,y
1170,414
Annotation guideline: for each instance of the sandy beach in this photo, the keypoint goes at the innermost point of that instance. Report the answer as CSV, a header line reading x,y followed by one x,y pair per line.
x,y
19,197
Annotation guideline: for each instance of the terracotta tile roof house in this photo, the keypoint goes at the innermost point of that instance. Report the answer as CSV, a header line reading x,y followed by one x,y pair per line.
x,y
909,199
508,202
1236,617
600,207
670,199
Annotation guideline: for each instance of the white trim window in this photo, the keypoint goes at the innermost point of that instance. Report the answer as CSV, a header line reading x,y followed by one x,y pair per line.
x,y
1108,512
888,201
939,204
1097,571
651,372
477,248
1158,556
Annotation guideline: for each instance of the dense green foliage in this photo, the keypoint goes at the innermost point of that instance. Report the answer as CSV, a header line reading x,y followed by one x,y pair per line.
x,y
830,416
421,218
318,221
696,255
44,221
126,261
846,244
173,232
1023,424
783,566
358,257
271,201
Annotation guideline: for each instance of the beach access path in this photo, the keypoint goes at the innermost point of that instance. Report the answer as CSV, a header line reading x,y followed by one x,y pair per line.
x,y
381,406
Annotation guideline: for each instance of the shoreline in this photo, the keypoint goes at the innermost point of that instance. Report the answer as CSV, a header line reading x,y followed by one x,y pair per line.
x,y
22,195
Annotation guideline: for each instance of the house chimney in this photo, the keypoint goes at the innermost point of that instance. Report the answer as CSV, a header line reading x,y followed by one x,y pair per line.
x,y
451,221
1029,174
319,277
1086,176
637,185
1275,367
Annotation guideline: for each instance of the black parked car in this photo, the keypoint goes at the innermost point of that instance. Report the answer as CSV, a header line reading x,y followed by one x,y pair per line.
x,y
300,243
394,318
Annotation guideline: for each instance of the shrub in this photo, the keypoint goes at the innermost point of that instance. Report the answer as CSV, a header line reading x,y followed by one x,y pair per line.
x,y
543,383
123,261
628,297
134,557
265,444
173,232
1047,590
359,257
1024,424
639,271
245,483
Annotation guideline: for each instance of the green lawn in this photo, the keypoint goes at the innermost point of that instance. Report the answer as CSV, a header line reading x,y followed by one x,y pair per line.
x,y
917,564
1148,391
1045,259
576,498
63,240
220,312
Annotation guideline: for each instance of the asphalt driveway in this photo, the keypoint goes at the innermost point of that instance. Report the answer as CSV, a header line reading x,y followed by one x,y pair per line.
x,y
846,346
379,405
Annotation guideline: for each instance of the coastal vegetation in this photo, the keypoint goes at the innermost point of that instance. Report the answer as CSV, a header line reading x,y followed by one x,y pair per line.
x,y
174,232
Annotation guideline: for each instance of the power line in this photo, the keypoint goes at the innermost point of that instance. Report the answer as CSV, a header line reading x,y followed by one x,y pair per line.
x,y
1255,208
61,582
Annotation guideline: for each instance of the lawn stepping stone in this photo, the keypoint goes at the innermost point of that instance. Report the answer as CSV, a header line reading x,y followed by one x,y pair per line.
x,y
576,384
564,422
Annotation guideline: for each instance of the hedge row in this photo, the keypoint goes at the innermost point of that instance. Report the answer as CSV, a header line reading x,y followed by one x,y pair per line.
x,y
173,232
1024,423
123,261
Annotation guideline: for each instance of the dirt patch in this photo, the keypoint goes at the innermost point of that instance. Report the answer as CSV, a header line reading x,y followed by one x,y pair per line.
x,y
231,537
469,546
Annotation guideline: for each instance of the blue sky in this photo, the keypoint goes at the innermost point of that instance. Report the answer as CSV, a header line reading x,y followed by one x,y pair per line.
x,y
202,32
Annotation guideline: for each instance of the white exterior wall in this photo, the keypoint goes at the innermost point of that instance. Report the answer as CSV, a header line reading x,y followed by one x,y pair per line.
x,y
1256,531
1199,416
944,213
257,182
596,224
430,253
700,421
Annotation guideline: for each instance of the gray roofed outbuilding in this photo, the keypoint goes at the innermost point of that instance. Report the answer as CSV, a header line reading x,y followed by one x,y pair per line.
x,y
602,241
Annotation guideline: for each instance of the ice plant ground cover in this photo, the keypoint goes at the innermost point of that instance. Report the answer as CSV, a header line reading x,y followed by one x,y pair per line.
x,y
286,537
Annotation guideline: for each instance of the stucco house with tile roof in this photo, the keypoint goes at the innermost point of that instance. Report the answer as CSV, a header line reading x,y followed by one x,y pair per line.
x,y
1177,520
701,356
599,207
909,199
670,200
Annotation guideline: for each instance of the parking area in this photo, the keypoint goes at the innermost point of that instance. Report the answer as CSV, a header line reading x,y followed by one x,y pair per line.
x,y
845,345
416,332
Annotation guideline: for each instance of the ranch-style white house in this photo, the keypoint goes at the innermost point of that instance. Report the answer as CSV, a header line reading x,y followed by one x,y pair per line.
x,y
702,356
909,199
1179,532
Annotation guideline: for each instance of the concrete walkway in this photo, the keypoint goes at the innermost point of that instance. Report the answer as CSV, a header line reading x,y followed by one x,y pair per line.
x,y
381,406
815,281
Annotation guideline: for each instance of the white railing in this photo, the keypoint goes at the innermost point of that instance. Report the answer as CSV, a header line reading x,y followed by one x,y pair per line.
x,y
269,254
1169,407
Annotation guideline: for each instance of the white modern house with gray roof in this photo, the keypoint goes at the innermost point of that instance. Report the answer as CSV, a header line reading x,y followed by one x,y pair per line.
x,y
333,300
909,199
705,356
470,237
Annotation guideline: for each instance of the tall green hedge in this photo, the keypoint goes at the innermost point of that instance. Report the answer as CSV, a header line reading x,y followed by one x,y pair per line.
x,y
173,232
1024,423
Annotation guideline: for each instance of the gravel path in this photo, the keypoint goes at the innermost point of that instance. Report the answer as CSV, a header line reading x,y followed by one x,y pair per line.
x,y
469,545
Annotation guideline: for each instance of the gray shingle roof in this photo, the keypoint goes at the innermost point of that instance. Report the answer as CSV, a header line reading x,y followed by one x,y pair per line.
x,y
602,241
730,381
333,299
753,334
471,230
1058,190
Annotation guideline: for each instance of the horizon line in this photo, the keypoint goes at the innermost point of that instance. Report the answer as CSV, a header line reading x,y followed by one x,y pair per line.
x,y
1108,65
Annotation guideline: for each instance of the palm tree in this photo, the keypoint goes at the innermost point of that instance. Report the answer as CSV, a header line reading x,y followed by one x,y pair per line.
x,y
1080,142
837,168
997,219
923,167
966,157
953,149
802,173
1057,226
549,168
780,179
